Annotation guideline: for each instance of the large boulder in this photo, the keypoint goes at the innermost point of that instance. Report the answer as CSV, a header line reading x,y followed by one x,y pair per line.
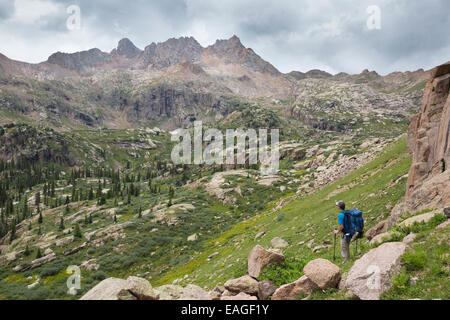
x,y
323,273
139,289
279,243
193,292
293,291
239,296
447,212
381,227
419,218
133,288
266,289
371,274
244,284
259,258
41,261
169,292
379,238
107,289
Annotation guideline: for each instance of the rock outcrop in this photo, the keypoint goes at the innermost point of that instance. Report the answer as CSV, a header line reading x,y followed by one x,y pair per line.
x,y
193,292
428,183
323,273
137,289
244,284
107,289
259,258
371,275
279,243
133,288
293,291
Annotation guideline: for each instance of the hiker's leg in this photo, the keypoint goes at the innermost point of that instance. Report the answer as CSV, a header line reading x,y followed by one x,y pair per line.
x,y
345,249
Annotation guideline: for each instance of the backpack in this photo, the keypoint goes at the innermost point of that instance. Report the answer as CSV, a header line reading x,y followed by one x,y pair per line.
x,y
353,223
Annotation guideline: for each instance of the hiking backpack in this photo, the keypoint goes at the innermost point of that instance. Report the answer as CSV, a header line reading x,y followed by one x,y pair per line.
x,y
353,223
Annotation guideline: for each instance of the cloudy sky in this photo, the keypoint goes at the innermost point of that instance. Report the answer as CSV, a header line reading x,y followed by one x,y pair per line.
x,y
331,35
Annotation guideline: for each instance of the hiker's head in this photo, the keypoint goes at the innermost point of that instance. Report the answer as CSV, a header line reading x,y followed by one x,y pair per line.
x,y
340,205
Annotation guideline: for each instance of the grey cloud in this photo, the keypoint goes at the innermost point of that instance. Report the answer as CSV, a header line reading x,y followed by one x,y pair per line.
x,y
6,9
291,34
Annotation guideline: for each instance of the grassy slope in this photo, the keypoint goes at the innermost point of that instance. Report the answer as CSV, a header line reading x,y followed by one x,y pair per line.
x,y
370,188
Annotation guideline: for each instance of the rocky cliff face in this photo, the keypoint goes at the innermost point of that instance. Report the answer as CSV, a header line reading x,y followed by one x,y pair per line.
x,y
171,52
127,48
428,183
232,51
80,61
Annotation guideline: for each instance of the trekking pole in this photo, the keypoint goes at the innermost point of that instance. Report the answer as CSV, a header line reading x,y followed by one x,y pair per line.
x,y
334,250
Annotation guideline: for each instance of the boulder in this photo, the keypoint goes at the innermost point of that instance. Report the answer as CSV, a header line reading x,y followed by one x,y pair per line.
x,y
443,225
419,218
321,247
409,238
260,234
323,273
41,261
216,293
244,284
379,238
138,288
8,257
239,296
193,237
292,291
266,289
65,241
169,292
371,274
379,228
279,243
107,289
447,212
259,258
213,255
90,265
193,292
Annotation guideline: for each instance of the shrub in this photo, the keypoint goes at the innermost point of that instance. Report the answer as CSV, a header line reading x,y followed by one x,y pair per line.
x,y
290,271
51,269
415,261
99,275
400,281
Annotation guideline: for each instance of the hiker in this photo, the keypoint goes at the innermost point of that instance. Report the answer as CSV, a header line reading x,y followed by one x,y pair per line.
x,y
345,243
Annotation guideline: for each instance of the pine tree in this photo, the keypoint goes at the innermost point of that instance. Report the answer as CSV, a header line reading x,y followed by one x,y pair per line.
x,y
12,236
140,212
38,253
40,219
61,224
115,218
91,194
27,251
77,231
37,199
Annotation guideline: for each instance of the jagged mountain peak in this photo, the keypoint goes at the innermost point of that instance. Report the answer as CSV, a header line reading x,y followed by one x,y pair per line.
x,y
80,61
127,48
